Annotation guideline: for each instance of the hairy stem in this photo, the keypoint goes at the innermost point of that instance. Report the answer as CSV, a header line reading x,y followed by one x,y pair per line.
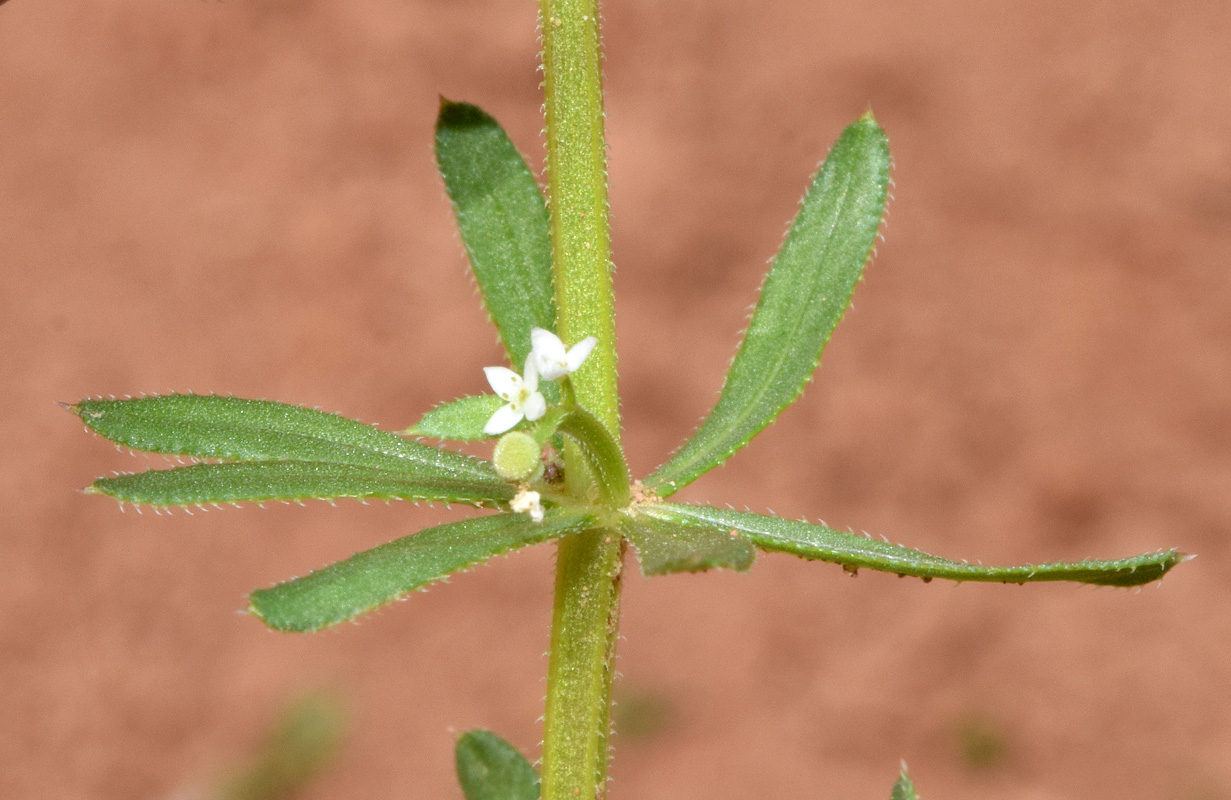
x,y
588,566
585,621
577,192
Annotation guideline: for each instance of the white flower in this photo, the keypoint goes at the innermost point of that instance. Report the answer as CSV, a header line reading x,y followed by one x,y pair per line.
x,y
549,357
522,397
528,502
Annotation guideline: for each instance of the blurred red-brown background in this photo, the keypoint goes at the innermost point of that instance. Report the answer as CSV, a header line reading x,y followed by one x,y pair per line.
x,y
240,197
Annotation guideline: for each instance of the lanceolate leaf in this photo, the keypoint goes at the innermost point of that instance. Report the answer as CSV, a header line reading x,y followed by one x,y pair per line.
x,y
255,481
234,429
371,579
854,552
807,290
489,768
503,221
459,421
665,547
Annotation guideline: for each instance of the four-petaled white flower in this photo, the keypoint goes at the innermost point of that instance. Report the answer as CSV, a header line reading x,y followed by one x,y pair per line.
x,y
547,360
522,397
550,358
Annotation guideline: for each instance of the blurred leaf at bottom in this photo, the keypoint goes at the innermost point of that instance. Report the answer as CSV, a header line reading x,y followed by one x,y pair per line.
x,y
489,768
301,744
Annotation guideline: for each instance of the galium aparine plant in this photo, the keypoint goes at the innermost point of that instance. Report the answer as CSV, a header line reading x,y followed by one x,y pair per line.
x,y
557,473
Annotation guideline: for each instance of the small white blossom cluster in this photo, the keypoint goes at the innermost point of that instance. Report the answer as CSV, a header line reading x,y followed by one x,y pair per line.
x,y
548,360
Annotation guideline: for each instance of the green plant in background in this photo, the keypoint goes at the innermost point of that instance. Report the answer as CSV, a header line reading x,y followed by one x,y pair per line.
x,y
981,743
558,471
303,741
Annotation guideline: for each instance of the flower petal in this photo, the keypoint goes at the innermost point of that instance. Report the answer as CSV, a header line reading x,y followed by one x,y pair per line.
x,y
547,352
544,342
579,352
505,417
534,406
530,383
504,381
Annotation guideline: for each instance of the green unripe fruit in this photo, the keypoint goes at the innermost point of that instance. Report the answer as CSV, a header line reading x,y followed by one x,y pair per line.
x,y
518,457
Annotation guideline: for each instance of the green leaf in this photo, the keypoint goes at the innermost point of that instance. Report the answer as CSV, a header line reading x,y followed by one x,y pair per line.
x,y
459,421
503,221
903,789
371,579
234,429
665,547
489,768
854,552
805,294
257,481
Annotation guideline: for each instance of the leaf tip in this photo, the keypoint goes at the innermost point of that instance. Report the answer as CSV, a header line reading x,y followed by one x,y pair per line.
x,y
252,611
904,788
449,111
87,409
868,116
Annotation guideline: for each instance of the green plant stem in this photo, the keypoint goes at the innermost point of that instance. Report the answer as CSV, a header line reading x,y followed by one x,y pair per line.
x,y
588,566
577,192
584,624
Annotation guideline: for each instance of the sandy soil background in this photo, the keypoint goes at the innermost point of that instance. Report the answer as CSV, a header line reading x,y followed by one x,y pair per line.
x,y
240,197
